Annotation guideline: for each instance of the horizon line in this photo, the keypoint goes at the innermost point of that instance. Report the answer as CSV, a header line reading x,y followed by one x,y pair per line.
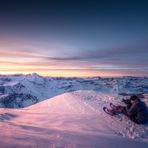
x,y
34,73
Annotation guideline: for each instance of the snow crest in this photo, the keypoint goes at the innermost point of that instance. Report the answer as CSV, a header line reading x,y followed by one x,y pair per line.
x,y
73,119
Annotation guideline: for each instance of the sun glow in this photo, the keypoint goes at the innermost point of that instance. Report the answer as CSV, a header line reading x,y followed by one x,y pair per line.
x,y
62,72
25,62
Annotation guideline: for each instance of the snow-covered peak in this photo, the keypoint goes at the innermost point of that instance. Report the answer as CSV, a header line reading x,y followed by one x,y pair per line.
x,y
47,87
73,119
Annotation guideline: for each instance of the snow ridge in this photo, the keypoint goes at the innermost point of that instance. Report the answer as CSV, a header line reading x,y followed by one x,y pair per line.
x,y
73,119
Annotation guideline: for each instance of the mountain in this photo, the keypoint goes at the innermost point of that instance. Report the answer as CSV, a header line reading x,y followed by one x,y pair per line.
x,y
61,112
74,120
18,91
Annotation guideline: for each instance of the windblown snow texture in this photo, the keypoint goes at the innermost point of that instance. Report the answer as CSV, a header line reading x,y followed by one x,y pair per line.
x,y
67,112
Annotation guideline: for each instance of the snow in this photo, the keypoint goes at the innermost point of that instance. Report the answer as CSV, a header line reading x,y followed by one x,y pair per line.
x,y
73,120
69,112
43,88
10,83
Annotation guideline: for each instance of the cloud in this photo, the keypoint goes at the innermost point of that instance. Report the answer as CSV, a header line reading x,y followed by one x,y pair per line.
x,y
130,59
133,55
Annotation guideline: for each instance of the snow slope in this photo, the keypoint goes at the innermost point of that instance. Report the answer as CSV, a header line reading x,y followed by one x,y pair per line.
x,y
72,120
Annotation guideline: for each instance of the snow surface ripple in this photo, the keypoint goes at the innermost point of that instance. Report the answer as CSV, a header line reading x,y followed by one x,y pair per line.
x,y
74,119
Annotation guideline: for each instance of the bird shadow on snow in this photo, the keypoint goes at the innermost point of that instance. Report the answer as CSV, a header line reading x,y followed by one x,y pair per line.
x,y
7,116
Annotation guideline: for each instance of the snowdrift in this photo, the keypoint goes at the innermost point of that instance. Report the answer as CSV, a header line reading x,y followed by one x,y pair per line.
x,y
73,119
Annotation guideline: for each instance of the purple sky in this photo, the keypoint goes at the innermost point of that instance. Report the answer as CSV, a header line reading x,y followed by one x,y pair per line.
x,y
74,38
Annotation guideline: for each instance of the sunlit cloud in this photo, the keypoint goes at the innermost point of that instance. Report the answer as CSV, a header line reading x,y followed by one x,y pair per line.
x,y
113,61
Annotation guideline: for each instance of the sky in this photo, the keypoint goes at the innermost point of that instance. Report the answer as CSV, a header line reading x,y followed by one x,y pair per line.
x,y
74,37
